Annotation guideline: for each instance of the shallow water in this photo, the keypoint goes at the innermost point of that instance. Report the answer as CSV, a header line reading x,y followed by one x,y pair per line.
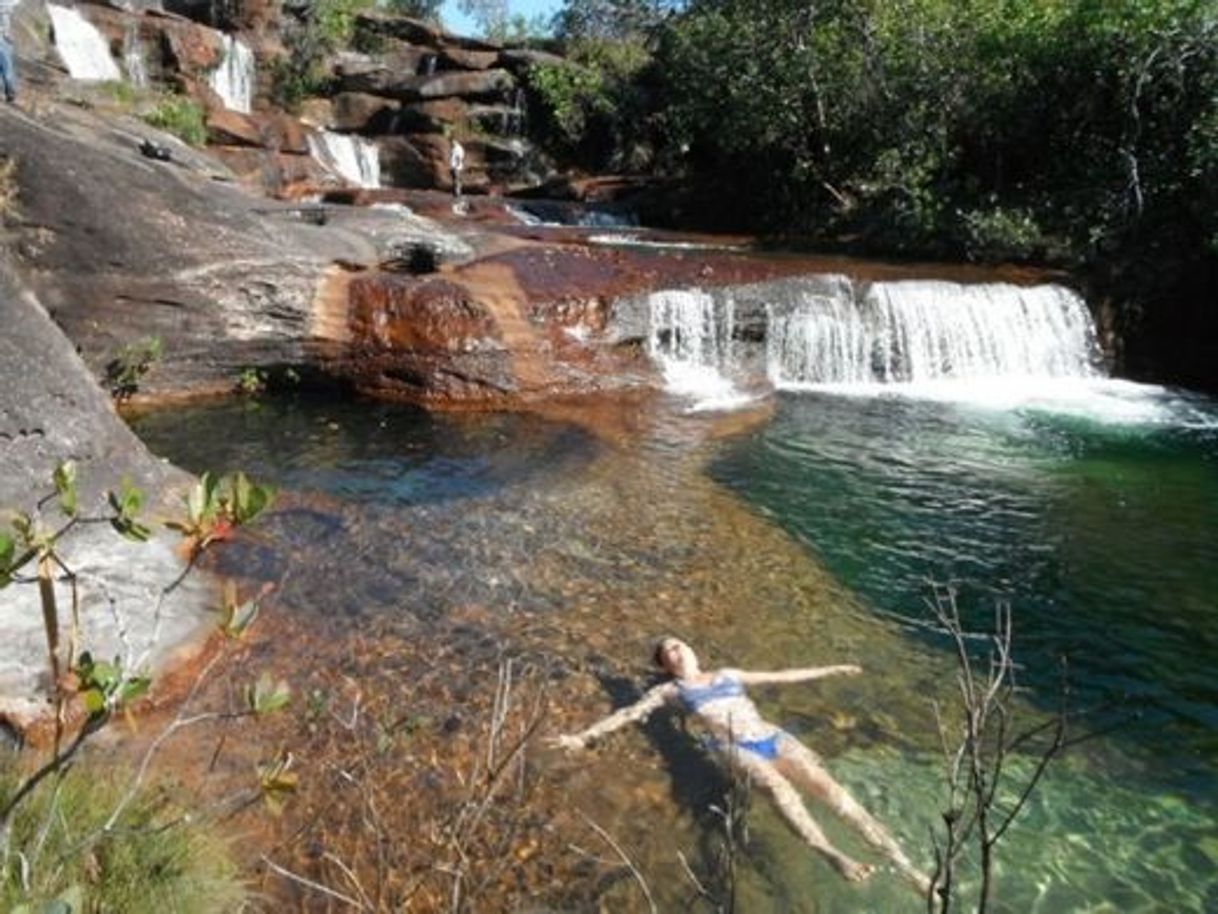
x,y
801,542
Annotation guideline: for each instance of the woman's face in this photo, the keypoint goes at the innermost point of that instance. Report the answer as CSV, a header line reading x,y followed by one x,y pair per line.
x,y
678,658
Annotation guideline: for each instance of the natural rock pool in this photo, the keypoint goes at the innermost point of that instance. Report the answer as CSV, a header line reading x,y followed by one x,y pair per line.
x,y
798,534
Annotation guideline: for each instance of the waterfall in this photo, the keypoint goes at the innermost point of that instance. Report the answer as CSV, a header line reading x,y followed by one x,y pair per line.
x,y
690,336
133,58
81,46
355,160
917,331
233,79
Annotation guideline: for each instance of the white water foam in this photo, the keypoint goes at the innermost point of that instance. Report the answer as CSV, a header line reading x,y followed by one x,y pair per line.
x,y
994,346
527,217
627,239
233,79
81,46
919,331
690,336
354,159
133,58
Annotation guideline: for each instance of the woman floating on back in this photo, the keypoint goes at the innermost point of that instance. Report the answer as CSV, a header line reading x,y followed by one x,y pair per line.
x,y
771,757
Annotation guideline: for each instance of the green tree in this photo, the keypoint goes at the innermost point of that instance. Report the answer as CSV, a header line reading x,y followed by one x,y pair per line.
x,y
491,16
610,19
416,9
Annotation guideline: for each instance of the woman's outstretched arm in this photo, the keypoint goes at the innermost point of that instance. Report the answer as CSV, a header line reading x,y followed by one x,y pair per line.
x,y
639,711
762,677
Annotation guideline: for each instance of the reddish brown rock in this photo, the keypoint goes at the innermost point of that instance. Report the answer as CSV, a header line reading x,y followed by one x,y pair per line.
x,y
190,48
396,75
317,112
408,163
275,132
284,133
464,59
520,59
434,116
474,337
356,111
424,341
417,32
274,172
480,84
232,128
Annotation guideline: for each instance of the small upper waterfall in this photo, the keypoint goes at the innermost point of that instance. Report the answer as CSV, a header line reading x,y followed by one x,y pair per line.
x,y
133,58
81,46
352,158
233,80
919,331
690,335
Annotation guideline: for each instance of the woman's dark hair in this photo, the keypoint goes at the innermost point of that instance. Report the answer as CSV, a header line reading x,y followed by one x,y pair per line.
x,y
657,656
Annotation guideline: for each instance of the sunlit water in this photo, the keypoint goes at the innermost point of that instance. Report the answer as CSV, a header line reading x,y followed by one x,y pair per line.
x,y
804,541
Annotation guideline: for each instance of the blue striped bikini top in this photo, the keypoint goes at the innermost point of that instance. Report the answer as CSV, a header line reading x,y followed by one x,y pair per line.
x,y
722,686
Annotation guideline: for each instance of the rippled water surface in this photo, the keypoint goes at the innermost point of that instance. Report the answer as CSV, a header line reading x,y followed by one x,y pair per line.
x,y
803,539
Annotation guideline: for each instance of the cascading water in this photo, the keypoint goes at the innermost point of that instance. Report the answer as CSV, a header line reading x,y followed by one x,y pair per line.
x,y
133,58
233,80
920,331
351,158
690,336
81,46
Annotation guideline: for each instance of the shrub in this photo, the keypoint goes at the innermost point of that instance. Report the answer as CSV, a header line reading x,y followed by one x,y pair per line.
x,y
1001,232
125,370
186,868
122,92
181,116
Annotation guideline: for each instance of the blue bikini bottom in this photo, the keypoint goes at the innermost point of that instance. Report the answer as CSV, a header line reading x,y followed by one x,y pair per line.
x,y
762,748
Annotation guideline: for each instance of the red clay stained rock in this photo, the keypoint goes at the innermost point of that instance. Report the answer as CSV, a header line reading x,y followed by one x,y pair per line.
x,y
357,111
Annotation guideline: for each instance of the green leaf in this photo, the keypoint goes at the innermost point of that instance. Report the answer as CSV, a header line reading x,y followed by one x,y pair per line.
x,y
24,525
95,701
132,689
65,485
277,780
241,616
266,696
240,488
130,529
199,498
131,499
8,549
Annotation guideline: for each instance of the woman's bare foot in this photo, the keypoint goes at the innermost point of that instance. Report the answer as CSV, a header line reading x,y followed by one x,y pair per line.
x,y
852,870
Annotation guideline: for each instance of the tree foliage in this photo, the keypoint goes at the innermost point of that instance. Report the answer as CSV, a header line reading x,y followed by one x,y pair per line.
x,y
1035,122
610,19
1081,132
416,9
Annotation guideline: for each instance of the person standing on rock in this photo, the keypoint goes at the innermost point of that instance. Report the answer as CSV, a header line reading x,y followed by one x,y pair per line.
x,y
8,62
456,162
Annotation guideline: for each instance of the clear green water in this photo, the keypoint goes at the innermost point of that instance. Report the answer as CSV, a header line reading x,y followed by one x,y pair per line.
x,y
1103,536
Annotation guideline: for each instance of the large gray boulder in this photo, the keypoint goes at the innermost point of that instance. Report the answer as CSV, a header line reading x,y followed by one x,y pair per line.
x,y
54,411
119,247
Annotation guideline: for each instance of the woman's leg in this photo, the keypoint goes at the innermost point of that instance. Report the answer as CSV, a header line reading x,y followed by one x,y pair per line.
x,y
803,766
791,805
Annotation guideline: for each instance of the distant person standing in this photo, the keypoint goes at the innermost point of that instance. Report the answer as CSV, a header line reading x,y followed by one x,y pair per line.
x,y
8,63
456,163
